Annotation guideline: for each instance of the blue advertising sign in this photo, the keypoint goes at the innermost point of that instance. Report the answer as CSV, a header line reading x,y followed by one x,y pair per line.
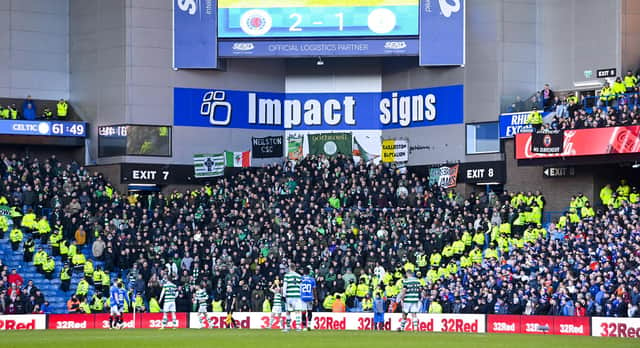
x,y
442,36
44,128
194,34
516,122
345,48
318,111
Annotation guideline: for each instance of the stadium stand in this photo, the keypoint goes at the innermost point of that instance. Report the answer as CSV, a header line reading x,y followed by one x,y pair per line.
x,y
614,105
29,109
358,226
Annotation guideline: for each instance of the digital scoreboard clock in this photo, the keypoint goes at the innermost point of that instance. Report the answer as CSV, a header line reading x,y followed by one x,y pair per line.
x,y
44,128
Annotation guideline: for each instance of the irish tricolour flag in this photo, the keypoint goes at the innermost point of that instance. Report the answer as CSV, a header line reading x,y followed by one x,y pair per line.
x,y
237,159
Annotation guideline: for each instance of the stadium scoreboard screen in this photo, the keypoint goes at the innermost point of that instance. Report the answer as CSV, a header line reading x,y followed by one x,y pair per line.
x,y
430,29
132,140
44,128
319,18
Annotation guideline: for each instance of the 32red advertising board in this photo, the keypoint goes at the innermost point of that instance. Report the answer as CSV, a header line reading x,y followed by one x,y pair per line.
x,y
154,320
71,321
616,327
538,325
101,321
23,322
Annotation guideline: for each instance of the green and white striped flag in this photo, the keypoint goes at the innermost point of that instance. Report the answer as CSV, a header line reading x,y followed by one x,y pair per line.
x,y
208,165
5,210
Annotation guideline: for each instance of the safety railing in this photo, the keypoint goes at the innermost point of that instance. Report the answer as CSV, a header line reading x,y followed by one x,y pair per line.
x,y
589,103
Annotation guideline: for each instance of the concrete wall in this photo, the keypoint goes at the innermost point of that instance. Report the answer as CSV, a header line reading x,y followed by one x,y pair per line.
x,y
34,46
630,34
574,36
518,47
97,62
336,75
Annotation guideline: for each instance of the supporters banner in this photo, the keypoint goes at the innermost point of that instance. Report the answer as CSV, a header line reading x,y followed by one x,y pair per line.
x,y
360,151
442,32
331,144
195,43
267,147
445,176
295,147
352,321
552,325
615,327
208,165
547,141
23,322
586,142
237,159
395,150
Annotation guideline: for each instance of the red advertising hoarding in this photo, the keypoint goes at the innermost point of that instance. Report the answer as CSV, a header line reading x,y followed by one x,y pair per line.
x,y
71,321
154,320
102,320
23,322
586,142
575,326
503,323
537,324
616,327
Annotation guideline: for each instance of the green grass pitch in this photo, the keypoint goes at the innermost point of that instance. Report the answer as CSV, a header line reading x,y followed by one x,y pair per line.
x,y
225,338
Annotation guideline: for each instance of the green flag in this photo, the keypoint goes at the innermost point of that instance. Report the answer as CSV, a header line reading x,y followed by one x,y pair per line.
x,y
5,210
330,144
208,165
294,147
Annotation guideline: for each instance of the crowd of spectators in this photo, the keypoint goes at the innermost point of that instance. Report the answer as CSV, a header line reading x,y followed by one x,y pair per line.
x,y
30,112
615,105
358,226
18,296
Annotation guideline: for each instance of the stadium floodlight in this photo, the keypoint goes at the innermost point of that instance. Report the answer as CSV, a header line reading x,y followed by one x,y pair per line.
x,y
320,62
636,165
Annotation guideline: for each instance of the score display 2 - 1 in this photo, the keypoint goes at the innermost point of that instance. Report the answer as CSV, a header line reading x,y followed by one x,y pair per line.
x,y
319,18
